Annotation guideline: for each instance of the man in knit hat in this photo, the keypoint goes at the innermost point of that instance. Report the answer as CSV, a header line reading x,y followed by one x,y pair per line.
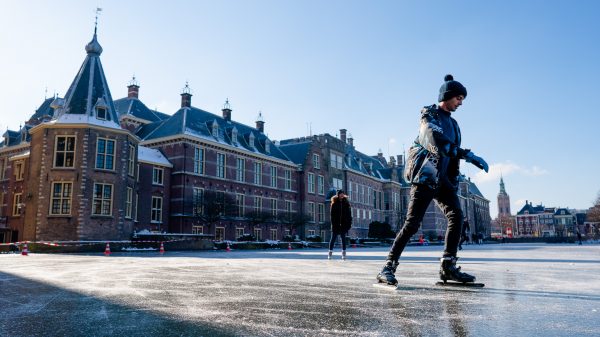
x,y
433,169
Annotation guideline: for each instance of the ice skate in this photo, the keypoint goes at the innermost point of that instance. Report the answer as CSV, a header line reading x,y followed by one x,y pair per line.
x,y
344,255
450,272
386,275
329,255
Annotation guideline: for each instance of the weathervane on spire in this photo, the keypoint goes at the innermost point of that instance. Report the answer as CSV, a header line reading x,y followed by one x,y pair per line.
x,y
98,10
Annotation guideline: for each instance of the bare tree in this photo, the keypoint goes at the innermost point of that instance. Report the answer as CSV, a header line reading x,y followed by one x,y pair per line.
x,y
295,220
593,214
212,206
257,217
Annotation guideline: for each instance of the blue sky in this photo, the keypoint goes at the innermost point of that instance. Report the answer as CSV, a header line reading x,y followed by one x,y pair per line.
x,y
530,68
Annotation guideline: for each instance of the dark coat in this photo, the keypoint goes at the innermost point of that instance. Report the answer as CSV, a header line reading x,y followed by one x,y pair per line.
x,y
431,149
341,216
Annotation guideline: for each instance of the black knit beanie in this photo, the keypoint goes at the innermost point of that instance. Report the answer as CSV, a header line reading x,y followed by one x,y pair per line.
x,y
451,88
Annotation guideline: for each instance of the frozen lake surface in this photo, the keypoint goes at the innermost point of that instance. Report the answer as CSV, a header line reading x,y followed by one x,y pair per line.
x,y
531,290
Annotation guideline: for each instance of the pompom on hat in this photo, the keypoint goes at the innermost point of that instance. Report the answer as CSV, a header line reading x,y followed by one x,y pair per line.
x,y
451,89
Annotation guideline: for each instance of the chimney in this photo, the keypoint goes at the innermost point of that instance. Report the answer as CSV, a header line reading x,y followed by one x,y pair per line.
x,y
260,124
351,140
343,135
133,88
400,159
392,161
186,97
226,110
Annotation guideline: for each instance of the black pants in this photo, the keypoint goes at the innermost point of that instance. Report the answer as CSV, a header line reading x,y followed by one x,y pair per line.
x,y
334,236
420,198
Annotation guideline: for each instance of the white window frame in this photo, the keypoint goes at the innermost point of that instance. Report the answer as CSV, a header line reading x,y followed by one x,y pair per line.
x,y
105,154
311,211
274,208
258,204
156,209
129,203
239,232
311,182
221,165
320,185
158,174
273,234
240,201
102,200
274,176
219,233
257,173
321,213
240,169
61,198
288,180
197,229
65,152
17,198
19,168
258,234
316,161
199,158
131,161
197,201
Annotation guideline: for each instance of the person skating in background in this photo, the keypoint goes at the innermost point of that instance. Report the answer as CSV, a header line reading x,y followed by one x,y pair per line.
x,y
464,236
341,221
433,170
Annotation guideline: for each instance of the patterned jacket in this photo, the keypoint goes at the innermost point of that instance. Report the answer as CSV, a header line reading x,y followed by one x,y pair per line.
x,y
432,149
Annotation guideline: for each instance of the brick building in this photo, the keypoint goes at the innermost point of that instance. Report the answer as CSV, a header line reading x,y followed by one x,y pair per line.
x,y
87,167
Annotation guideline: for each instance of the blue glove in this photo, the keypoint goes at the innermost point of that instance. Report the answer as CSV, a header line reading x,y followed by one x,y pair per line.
x,y
477,161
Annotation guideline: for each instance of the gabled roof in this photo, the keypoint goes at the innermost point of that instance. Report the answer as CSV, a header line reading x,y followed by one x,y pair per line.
x,y
531,209
88,91
152,156
136,108
198,123
45,110
560,211
297,152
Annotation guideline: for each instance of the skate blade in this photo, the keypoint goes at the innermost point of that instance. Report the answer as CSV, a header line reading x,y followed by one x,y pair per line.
x,y
385,286
460,284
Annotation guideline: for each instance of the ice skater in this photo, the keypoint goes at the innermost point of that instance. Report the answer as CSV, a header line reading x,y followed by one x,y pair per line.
x,y
433,170
341,221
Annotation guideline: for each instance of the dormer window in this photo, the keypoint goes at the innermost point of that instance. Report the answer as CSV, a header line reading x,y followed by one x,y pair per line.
x,y
23,136
101,110
215,129
234,136
251,140
101,113
267,146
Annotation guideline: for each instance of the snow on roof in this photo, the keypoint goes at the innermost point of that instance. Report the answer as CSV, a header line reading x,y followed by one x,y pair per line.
x,y
84,119
20,156
152,156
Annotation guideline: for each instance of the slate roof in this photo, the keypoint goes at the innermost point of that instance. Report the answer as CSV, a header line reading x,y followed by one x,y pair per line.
x,y
559,210
473,189
532,209
296,152
88,89
135,107
198,123
44,110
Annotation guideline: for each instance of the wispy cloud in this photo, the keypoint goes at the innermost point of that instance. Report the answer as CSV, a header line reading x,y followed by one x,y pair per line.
x,y
505,169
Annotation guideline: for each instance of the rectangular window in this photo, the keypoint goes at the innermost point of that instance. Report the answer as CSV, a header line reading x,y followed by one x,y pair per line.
x,y
274,208
60,203
311,183
321,213
220,233
3,169
156,211
321,185
1,203
17,204
258,234
105,154
350,194
239,232
102,203
131,161
239,201
197,229
198,201
220,165
316,161
240,169
198,160
129,203
64,151
274,234
257,204
137,198
157,175
19,170
101,113
273,176
311,232
336,161
288,207
311,211
258,173
337,183
288,180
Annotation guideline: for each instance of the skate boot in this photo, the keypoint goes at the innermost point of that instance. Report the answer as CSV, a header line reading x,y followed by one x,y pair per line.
x,y
449,271
343,255
386,275
329,255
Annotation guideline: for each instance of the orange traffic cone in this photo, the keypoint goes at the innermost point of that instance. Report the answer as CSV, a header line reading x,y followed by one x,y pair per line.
x,y
25,252
228,249
107,249
162,248
289,246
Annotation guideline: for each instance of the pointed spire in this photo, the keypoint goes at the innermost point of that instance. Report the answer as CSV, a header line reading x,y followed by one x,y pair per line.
x,y
93,47
502,189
